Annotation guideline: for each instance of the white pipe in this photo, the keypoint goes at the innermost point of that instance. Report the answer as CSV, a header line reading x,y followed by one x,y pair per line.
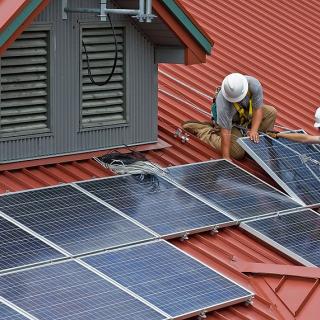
x,y
149,11
122,11
103,6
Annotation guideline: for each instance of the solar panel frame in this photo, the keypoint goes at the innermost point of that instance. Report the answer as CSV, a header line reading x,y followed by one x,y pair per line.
x,y
287,252
44,237
193,313
198,196
188,231
272,174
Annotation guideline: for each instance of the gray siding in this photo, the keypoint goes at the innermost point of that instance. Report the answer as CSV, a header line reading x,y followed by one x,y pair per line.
x,y
66,135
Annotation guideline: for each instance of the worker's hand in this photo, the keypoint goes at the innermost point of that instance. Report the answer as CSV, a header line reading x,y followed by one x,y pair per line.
x,y
253,135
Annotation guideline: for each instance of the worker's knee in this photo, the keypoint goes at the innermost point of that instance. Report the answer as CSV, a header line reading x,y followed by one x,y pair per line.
x,y
237,152
270,112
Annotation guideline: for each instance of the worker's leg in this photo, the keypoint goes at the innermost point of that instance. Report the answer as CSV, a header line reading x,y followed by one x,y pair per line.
x,y
269,118
214,140
207,134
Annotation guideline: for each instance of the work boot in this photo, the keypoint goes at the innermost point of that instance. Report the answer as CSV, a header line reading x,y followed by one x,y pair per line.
x,y
194,126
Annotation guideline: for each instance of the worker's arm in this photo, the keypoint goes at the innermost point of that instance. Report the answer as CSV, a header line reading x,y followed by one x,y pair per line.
x,y
225,143
299,137
256,121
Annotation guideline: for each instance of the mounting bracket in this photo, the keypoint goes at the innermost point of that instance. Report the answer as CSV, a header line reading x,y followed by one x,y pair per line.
x,y
182,135
202,315
184,237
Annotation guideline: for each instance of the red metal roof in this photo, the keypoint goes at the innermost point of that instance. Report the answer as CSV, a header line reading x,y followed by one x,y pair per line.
x,y
277,42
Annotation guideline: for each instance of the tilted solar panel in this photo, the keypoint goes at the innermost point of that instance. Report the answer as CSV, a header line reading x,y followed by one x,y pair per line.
x,y
296,234
311,150
294,172
18,248
71,219
232,189
159,205
6,313
168,278
69,291
303,149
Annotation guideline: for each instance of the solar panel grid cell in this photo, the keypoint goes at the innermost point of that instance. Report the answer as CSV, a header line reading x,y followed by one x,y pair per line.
x,y
168,278
232,189
71,219
69,291
6,313
160,206
297,175
298,232
18,248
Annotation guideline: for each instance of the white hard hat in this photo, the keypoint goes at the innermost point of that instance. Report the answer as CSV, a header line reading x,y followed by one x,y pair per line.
x,y
234,87
317,118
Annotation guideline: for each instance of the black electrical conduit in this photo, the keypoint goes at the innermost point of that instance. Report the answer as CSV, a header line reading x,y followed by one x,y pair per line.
x,y
114,62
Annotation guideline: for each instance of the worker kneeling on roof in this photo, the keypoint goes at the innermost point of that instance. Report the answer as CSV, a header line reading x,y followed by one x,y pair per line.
x,y
238,105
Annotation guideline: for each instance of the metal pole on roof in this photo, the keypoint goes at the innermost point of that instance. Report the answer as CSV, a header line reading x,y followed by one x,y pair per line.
x,y
144,13
149,11
141,9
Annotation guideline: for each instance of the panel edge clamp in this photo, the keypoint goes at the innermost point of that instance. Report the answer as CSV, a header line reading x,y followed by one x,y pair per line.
x,y
249,302
184,237
214,231
202,315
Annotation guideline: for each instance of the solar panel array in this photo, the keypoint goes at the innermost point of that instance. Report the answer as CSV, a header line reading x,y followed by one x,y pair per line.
x,y
44,232
232,189
49,240
159,205
290,164
296,234
168,278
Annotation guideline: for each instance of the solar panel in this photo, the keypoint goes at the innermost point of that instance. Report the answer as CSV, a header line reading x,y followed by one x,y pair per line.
x,y
302,148
296,234
69,291
293,172
232,189
159,205
18,248
168,278
71,219
6,313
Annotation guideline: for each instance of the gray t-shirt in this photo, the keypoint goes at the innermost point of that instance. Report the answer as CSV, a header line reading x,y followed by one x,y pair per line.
x,y
227,115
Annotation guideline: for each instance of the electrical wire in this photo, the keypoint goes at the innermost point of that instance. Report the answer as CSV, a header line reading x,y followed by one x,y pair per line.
x,y
103,83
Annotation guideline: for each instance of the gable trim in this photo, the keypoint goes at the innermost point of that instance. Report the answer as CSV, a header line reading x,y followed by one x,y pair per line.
x,y
8,34
188,24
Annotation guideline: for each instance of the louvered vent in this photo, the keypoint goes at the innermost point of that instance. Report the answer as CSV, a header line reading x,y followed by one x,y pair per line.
x,y
24,85
102,105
